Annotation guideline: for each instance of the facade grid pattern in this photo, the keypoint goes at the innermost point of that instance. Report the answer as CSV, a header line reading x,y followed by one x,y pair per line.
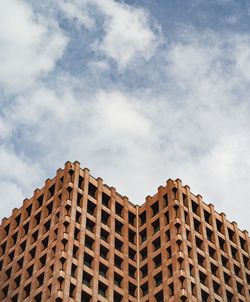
x,y
78,239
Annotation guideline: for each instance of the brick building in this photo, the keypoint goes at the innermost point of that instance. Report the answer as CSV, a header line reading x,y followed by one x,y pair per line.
x,y
77,239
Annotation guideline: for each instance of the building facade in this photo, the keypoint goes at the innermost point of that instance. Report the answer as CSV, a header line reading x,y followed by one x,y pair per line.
x,y
77,239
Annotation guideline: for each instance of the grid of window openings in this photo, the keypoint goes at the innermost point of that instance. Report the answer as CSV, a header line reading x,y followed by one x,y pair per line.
x,y
79,240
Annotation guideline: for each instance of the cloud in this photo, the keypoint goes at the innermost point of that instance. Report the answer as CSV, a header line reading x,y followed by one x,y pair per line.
x,y
30,45
18,176
78,11
129,34
184,114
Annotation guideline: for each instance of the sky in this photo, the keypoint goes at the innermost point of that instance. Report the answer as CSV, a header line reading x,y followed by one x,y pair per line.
x,y
138,91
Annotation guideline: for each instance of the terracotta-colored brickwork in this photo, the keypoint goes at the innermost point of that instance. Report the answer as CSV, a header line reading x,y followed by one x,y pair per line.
x,y
79,240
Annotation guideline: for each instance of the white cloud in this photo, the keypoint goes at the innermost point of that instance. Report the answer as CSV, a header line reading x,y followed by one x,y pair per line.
x,y
19,178
30,45
195,127
78,11
128,34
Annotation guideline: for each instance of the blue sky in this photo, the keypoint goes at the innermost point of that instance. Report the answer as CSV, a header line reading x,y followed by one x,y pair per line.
x,y
137,91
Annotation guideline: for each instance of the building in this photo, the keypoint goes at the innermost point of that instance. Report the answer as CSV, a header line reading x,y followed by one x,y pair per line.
x,y
77,239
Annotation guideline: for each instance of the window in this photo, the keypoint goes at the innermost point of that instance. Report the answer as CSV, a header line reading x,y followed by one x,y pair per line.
x,y
131,271
131,253
47,226
144,289
171,289
221,243
231,234
91,207
156,225
203,277
118,244
45,242
51,191
144,253
157,260
26,228
237,270
118,261
49,208
76,234
103,270
219,225
81,182
43,260
92,190
17,281
89,242
170,270
158,279
30,271
224,261
86,279
197,225
159,296
234,252
131,289
78,216
199,242
17,220
166,214
209,234
118,279
143,217
27,290
131,236
144,271
201,259
204,295
214,269
131,218
73,270
118,226
79,199
28,210
227,278
157,243
105,200
207,216
15,298
103,252
195,207
104,235
102,288
8,273
118,209
105,217
243,244
23,246
88,260
72,290
211,251
143,235
169,252
117,297
155,208
85,297
165,200
40,280
5,291
90,225
38,297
